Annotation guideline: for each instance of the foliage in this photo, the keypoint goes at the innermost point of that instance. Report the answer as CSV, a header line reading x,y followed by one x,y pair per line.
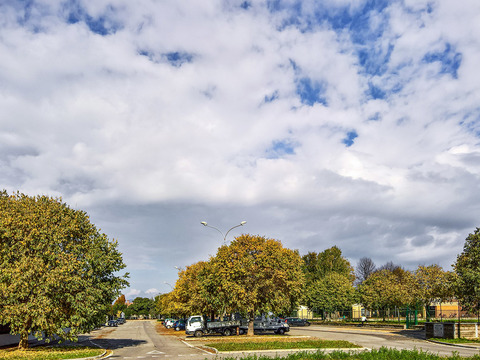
x,y
333,292
164,304
375,354
433,284
50,353
467,269
141,306
190,294
57,270
253,274
316,266
329,280
281,344
119,306
385,289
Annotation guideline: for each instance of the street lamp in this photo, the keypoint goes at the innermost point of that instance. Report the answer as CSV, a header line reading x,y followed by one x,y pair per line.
x,y
204,223
168,284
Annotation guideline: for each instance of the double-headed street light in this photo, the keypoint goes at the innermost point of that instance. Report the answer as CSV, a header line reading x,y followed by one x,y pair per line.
x,y
204,223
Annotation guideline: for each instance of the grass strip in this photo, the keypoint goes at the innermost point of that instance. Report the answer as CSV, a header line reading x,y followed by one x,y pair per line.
x,y
50,353
380,354
279,345
457,341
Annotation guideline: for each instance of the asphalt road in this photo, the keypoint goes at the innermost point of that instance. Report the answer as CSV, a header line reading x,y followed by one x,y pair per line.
x,y
139,340
375,339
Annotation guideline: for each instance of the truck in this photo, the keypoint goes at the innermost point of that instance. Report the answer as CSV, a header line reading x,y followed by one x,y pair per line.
x,y
198,326
265,323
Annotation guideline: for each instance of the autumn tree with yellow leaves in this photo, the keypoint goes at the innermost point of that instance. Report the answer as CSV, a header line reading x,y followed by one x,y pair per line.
x,y
255,274
57,271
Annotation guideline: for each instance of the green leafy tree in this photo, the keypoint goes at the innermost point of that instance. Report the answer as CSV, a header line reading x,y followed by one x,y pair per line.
x,y
57,270
253,274
385,289
141,306
331,293
317,266
322,269
433,284
467,269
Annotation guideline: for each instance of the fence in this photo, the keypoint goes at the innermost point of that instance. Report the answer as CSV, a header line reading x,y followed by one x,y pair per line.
x,y
399,315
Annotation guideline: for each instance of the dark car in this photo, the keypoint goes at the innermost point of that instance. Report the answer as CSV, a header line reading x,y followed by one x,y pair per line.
x,y
295,321
179,325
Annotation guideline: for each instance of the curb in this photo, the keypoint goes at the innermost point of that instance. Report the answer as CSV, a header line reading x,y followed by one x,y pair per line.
x,y
295,350
451,344
94,357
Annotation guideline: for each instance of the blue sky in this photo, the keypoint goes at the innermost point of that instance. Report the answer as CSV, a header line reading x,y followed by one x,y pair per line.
x,y
349,123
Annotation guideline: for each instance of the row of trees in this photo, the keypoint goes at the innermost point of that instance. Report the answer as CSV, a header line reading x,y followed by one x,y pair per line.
x,y
333,285
257,274
141,306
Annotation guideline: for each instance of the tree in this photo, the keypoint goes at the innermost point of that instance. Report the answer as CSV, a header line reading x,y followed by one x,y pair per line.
x,y
390,266
467,269
119,305
365,268
192,294
433,284
165,304
141,306
57,270
317,266
331,293
253,274
385,289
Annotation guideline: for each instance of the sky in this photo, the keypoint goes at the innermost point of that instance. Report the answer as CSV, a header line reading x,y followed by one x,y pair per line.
x,y
320,123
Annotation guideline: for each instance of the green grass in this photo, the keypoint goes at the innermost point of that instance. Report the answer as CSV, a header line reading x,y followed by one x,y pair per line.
x,y
457,341
50,353
380,354
279,344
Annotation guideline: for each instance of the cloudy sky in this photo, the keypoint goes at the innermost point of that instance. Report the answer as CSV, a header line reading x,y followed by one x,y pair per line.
x,y
350,123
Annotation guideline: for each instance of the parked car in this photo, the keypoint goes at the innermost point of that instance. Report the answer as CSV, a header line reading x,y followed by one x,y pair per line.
x,y
179,325
121,321
168,323
295,321
112,323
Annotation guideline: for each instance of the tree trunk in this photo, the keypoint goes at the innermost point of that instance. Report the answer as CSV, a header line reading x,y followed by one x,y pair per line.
x,y
23,344
250,324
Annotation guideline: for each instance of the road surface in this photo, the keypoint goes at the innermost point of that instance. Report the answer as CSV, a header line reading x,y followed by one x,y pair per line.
x,y
138,339
375,339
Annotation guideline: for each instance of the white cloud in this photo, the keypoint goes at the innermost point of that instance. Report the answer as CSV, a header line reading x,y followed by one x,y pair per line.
x,y
132,293
151,148
152,292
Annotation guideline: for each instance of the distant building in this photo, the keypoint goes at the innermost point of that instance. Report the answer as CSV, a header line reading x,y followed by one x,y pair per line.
x,y
304,312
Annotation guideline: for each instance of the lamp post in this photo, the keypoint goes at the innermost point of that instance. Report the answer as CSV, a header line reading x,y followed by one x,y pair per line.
x,y
168,284
204,223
